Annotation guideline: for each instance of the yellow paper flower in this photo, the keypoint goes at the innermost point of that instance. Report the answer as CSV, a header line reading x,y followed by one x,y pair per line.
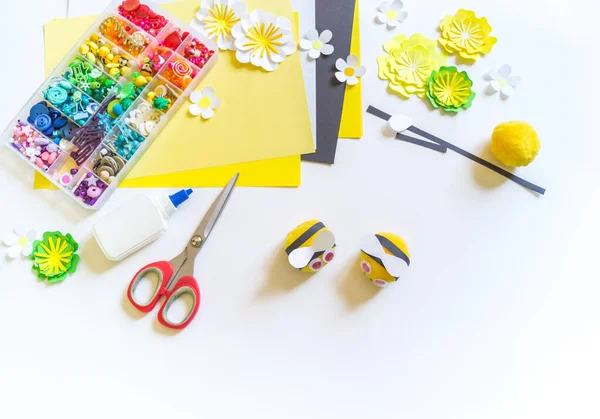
x,y
466,35
409,64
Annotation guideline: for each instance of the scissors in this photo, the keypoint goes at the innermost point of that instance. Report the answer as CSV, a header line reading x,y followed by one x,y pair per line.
x,y
176,276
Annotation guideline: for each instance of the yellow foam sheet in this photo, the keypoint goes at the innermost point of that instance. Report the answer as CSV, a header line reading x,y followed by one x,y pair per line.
x,y
263,115
352,115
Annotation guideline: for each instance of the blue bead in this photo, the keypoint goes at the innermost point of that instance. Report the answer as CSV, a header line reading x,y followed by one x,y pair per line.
x,y
56,140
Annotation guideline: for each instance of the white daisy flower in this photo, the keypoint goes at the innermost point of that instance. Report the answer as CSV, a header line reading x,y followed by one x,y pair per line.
x,y
502,81
216,18
349,70
263,39
317,44
204,103
20,241
391,13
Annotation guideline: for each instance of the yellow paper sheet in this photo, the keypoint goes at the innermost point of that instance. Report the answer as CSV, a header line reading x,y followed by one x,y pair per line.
x,y
352,113
248,95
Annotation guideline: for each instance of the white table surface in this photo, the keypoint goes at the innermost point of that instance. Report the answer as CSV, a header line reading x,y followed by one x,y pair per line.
x,y
497,319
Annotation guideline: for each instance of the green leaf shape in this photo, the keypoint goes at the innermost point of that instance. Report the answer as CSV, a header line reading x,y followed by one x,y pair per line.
x,y
54,256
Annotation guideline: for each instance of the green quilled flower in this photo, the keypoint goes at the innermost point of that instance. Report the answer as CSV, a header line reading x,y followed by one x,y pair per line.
x,y
54,256
450,90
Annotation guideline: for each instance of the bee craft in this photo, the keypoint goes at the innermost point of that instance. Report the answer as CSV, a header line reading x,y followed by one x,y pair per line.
x,y
310,246
384,258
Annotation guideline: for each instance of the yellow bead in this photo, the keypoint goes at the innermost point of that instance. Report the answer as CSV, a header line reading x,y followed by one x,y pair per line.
x,y
151,96
109,57
94,37
113,72
103,51
125,70
140,81
112,65
84,49
91,57
94,46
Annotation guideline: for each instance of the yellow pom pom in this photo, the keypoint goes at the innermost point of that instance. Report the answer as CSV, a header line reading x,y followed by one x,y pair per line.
x,y
515,143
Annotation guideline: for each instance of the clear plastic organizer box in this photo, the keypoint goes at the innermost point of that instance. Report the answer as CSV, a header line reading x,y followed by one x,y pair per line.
x,y
109,98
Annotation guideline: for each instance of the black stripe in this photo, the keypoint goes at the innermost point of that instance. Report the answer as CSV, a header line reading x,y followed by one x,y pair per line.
x,y
304,237
379,114
396,251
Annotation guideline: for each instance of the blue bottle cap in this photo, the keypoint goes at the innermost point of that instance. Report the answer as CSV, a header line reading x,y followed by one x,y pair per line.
x,y
180,197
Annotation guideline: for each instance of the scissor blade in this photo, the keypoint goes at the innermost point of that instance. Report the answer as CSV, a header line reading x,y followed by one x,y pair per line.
x,y
212,215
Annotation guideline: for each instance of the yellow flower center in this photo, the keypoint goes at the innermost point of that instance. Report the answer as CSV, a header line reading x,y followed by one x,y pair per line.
x,y
349,71
466,34
264,39
502,82
52,262
220,21
22,241
317,45
204,103
451,89
413,66
392,14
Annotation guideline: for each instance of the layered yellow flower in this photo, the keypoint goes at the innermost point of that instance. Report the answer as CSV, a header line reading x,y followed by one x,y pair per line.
x,y
409,64
466,35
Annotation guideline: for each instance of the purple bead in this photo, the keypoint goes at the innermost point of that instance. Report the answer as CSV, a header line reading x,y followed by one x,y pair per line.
x,y
83,184
73,172
93,201
89,175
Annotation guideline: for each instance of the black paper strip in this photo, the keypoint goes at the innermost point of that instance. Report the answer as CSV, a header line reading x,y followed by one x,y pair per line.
x,y
338,17
485,163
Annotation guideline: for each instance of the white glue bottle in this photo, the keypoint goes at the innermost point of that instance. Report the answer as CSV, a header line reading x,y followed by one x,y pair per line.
x,y
136,223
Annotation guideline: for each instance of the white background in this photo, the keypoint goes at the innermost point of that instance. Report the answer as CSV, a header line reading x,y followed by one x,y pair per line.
x,y
498,317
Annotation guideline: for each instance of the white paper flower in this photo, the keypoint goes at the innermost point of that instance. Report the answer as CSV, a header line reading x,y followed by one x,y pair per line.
x,y
391,13
349,70
216,18
317,44
263,39
502,81
204,103
20,241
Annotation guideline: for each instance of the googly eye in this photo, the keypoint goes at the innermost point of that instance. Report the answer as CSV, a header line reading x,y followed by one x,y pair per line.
x,y
329,255
365,267
380,283
315,265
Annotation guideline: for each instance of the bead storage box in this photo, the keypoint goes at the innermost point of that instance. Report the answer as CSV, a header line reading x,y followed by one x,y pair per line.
x,y
100,109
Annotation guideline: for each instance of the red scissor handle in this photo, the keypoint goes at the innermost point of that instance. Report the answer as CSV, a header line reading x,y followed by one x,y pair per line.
x,y
185,285
165,272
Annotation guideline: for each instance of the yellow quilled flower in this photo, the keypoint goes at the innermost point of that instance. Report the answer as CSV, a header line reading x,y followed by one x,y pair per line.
x,y
409,64
466,35
450,89
216,19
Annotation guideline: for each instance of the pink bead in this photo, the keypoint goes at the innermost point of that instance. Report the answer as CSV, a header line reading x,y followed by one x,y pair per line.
x,y
39,162
52,158
45,155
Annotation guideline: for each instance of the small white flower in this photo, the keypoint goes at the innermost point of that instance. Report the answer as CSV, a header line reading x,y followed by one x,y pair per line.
x,y
349,70
216,19
20,241
317,44
391,13
502,81
263,39
204,103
